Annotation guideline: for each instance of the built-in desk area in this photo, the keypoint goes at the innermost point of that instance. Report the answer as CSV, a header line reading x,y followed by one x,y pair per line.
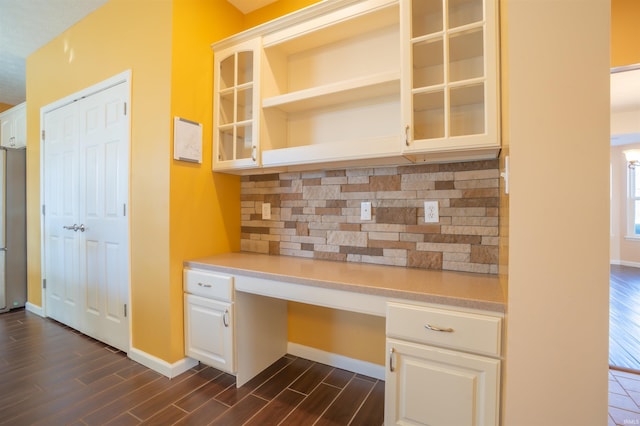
x,y
236,320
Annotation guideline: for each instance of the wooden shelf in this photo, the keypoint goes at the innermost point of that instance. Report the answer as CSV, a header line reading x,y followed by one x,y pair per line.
x,y
336,93
332,152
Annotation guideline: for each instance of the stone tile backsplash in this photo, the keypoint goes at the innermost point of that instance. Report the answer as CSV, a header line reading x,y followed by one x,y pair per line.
x,y
317,215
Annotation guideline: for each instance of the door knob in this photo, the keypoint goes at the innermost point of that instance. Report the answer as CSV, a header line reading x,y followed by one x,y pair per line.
x,y
73,227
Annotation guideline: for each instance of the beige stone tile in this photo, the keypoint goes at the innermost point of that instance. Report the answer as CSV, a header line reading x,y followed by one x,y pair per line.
x,y
327,192
397,215
477,174
444,247
389,236
424,260
474,221
347,238
470,230
385,183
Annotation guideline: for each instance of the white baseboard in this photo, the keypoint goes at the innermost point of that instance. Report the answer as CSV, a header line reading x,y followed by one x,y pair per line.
x,y
625,263
339,361
35,309
161,366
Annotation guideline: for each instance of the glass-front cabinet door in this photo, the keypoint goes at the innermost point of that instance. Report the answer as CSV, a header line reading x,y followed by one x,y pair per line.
x,y
450,77
236,107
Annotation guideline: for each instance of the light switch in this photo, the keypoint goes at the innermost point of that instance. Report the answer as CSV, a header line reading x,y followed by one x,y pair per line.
x,y
266,211
365,210
431,214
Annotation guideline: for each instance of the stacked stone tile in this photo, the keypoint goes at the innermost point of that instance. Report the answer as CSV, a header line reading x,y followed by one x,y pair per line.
x,y
317,215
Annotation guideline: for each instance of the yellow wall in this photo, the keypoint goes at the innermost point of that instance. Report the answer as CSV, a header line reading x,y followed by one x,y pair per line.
x,y
275,10
625,32
119,36
204,206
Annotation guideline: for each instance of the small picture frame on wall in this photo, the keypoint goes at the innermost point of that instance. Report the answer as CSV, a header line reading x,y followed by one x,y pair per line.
x,y
187,140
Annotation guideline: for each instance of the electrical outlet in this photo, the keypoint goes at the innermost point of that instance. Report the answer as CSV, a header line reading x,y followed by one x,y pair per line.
x,y
365,210
266,211
431,214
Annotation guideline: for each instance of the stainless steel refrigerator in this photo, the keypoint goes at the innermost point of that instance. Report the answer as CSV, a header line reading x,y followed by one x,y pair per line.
x,y
13,229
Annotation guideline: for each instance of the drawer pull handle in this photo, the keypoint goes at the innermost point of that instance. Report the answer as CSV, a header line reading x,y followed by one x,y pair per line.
x,y
442,330
225,318
391,367
205,285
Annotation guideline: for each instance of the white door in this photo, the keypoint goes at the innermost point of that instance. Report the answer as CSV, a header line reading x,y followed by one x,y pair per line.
x,y
86,224
61,242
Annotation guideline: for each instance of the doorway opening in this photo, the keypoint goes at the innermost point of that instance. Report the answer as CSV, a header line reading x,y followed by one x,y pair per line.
x,y
624,314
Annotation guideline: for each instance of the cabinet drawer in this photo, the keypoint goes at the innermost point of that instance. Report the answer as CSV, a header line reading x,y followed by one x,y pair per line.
x,y
208,284
452,329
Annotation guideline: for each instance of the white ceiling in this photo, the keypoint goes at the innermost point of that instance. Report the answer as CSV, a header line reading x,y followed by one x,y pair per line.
x,y
27,25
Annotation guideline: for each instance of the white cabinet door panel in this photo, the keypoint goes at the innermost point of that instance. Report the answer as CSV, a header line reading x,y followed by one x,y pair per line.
x,y
209,332
439,387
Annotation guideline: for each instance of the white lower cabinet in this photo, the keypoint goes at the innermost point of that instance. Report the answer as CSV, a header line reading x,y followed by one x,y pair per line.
x,y
437,386
209,319
209,332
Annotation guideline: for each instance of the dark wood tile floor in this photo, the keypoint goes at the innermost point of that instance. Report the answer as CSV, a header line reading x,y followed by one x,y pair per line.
x,y
624,317
53,375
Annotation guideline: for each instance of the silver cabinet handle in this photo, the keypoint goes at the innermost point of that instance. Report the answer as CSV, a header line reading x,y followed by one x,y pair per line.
x,y
391,367
254,151
406,135
225,318
434,328
204,285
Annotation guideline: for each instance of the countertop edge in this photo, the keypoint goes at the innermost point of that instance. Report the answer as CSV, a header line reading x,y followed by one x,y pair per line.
x,y
425,297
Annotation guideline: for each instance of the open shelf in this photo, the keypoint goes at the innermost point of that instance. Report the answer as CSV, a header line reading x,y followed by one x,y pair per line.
x,y
337,93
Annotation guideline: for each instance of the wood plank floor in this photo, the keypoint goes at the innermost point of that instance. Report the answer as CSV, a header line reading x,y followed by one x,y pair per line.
x,y
624,318
53,375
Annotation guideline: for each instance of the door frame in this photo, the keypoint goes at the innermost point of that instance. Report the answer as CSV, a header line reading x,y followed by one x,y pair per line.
x,y
121,78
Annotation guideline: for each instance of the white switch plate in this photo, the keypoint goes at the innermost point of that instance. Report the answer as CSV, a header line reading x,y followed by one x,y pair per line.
x,y
431,214
266,211
365,210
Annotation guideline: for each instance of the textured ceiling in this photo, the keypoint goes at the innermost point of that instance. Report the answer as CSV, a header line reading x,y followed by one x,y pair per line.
x,y
27,25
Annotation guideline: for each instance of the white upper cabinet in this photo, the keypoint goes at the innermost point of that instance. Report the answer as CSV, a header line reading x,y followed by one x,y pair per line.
x,y
13,127
370,81
450,79
236,106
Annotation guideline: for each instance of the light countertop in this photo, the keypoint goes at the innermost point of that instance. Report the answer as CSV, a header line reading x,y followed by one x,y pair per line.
x,y
467,290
